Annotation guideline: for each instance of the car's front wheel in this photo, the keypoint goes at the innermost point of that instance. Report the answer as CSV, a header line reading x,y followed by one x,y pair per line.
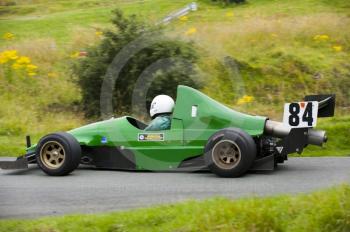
x,y
58,154
230,152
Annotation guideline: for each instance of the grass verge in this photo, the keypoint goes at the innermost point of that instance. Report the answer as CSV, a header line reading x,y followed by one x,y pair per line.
x,y
327,210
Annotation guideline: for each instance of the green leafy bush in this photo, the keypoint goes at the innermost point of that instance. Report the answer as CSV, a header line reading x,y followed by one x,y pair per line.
x,y
164,63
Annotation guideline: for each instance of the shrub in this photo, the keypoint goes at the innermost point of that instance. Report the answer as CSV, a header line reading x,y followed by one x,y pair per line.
x,y
91,70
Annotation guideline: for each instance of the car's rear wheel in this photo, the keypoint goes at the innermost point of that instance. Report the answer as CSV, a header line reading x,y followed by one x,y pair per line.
x,y
58,154
230,152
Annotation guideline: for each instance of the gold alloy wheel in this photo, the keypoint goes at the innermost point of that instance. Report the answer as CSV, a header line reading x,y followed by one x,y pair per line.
x,y
226,154
52,154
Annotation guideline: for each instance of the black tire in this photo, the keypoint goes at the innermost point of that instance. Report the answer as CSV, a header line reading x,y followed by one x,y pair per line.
x,y
238,142
58,154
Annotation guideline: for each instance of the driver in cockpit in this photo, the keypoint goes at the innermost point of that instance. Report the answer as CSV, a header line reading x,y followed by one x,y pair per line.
x,y
161,109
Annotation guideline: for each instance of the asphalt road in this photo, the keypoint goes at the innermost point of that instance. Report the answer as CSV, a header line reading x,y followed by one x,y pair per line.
x,y
30,193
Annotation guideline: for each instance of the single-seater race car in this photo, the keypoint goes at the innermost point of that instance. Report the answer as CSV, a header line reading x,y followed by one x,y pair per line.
x,y
204,134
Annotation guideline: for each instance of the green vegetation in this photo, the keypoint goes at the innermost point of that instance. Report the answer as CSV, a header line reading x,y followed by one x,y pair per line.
x,y
327,210
284,50
64,20
92,71
338,130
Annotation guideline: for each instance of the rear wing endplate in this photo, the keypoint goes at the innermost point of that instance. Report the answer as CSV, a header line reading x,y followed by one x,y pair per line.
x,y
326,104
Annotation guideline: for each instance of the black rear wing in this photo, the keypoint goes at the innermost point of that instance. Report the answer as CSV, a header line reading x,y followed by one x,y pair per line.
x,y
326,104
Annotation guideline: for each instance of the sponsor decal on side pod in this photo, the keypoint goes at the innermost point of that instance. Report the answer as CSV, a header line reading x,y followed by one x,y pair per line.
x,y
151,137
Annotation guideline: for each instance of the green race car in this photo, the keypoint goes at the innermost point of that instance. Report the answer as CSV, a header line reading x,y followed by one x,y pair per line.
x,y
204,134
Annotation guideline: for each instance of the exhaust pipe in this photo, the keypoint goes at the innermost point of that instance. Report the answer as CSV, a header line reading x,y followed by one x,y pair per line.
x,y
279,130
316,137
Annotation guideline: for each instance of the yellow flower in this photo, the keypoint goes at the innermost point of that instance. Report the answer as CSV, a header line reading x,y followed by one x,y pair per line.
x,y
321,37
75,55
99,33
274,35
23,60
183,18
191,31
31,74
324,37
8,36
337,48
31,67
245,99
16,66
229,14
10,54
3,59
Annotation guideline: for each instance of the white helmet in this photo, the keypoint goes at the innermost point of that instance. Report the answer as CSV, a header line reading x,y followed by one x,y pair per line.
x,y
161,104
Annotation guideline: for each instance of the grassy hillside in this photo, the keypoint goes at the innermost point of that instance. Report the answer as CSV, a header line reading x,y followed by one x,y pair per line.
x,y
320,211
284,50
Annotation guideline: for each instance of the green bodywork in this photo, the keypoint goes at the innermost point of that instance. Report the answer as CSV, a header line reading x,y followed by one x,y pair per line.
x,y
195,118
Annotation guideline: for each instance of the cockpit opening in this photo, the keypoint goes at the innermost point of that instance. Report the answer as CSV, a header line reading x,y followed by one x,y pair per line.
x,y
136,123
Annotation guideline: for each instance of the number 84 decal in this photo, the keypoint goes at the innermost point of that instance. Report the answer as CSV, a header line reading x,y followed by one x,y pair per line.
x,y
300,114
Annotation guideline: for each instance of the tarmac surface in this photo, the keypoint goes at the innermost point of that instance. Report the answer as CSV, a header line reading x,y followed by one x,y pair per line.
x,y
31,193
